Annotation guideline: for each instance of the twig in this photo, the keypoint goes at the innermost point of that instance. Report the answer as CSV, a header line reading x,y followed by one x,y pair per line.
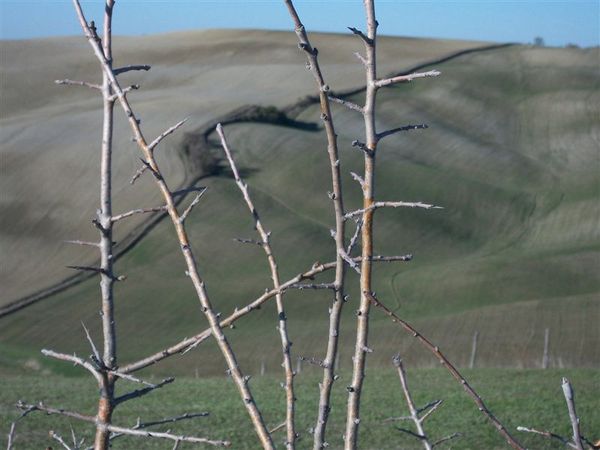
x,y
355,237
445,439
346,103
283,332
79,83
75,360
97,358
302,286
405,78
137,174
365,38
570,399
141,425
453,371
191,206
411,405
281,426
141,392
433,405
166,133
85,243
11,435
378,205
359,179
384,134
351,262
396,419
548,434
116,429
138,211
133,87
120,70
57,437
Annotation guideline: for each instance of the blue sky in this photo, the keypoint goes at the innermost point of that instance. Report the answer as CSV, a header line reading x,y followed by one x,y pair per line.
x,y
557,22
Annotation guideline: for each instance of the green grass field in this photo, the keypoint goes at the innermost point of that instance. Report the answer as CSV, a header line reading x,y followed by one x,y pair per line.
x,y
518,397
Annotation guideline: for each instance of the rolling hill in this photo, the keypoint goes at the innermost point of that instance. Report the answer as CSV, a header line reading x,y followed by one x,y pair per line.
x,y
512,153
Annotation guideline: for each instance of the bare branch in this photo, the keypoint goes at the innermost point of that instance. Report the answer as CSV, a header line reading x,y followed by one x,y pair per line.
x,y
75,360
548,434
141,425
98,270
405,78
191,206
433,405
396,419
166,133
96,357
137,174
360,34
422,126
11,435
570,399
133,87
85,243
411,405
302,286
126,376
378,205
186,416
193,341
338,206
351,262
346,103
138,211
359,179
453,371
361,58
78,83
281,426
57,437
283,333
362,146
445,439
182,236
116,429
355,237
130,68
141,392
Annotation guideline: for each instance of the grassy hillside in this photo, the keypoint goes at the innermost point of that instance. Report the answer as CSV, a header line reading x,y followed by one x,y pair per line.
x,y
511,154
520,398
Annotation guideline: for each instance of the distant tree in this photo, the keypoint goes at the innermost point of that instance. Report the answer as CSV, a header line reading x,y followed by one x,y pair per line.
x,y
538,41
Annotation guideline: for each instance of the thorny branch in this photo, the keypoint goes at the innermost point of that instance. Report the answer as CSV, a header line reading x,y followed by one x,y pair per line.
x,y
191,342
453,371
116,429
283,330
340,230
186,249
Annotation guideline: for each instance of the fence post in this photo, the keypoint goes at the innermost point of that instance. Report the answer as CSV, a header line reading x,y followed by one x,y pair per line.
x,y
545,358
474,350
